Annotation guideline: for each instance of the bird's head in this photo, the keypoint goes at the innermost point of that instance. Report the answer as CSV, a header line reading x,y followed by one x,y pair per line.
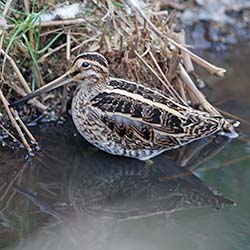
x,y
89,68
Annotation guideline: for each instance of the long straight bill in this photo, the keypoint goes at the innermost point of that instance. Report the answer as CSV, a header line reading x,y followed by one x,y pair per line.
x,y
60,81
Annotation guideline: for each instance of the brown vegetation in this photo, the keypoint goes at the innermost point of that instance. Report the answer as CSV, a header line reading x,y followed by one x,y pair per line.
x,y
141,44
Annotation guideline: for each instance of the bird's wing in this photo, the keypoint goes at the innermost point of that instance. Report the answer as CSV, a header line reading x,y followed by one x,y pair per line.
x,y
129,108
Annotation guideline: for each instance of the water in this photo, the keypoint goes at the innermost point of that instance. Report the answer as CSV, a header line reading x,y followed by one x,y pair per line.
x,y
72,196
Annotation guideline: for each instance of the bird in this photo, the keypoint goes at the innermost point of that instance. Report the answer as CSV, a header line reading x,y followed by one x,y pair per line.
x,y
128,118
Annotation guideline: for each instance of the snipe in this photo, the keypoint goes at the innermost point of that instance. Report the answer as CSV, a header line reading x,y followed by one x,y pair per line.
x,y
126,118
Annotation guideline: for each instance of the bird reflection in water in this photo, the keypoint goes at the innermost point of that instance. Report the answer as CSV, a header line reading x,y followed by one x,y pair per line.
x,y
128,189
63,183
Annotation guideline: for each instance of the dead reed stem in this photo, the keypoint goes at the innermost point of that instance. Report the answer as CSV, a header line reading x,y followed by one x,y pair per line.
x,y
56,23
10,134
51,52
24,83
26,130
200,61
14,123
153,71
171,89
68,45
197,94
18,72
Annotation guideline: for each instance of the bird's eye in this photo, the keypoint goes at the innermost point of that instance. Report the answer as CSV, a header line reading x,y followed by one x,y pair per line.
x,y
85,65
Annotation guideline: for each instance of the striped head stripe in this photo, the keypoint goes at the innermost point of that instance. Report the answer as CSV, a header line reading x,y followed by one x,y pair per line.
x,y
93,56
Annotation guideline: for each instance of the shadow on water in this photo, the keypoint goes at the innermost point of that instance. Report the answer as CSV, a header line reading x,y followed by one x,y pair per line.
x,y
72,196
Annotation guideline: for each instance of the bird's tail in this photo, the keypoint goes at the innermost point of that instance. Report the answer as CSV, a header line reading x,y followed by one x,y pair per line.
x,y
228,128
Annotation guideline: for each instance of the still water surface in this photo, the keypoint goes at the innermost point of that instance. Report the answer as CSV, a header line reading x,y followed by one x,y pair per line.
x,y
72,196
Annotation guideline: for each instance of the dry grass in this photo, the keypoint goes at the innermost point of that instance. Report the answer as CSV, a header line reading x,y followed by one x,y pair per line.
x,y
140,44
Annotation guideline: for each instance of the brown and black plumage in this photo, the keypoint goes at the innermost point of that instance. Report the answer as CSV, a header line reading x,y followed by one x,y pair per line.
x,y
126,118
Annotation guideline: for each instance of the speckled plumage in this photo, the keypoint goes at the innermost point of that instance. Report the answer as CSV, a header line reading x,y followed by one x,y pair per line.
x,y
126,118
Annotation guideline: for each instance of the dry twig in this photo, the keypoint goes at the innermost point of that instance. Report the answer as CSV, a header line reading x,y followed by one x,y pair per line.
x,y
14,123
197,94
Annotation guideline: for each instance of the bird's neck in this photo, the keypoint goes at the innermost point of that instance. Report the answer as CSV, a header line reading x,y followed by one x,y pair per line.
x,y
88,89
